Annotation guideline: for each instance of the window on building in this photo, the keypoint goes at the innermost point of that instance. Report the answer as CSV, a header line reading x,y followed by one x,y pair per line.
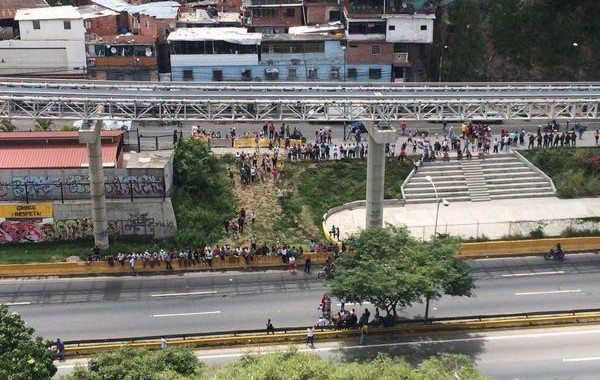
x,y
188,75
352,74
263,12
67,24
376,49
423,27
391,27
146,25
87,24
246,75
217,75
313,74
292,73
374,73
36,24
334,73
290,12
334,15
271,73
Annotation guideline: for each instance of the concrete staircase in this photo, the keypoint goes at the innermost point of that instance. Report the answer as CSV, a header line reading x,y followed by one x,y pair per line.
x,y
478,180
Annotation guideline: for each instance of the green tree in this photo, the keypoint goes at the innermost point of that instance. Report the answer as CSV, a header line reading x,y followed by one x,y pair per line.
x,y
202,197
305,366
7,126
392,270
133,364
23,357
43,125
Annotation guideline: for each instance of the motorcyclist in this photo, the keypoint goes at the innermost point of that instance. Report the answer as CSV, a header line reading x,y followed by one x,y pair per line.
x,y
558,248
557,251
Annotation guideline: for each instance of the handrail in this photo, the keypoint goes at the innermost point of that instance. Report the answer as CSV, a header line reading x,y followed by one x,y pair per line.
x,y
535,168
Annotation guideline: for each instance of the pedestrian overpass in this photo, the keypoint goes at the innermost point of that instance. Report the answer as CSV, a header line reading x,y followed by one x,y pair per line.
x,y
296,102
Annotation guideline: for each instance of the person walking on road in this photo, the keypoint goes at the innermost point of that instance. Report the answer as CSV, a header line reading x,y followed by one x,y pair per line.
x,y
132,265
310,337
363,335
60,349
307,264
270,328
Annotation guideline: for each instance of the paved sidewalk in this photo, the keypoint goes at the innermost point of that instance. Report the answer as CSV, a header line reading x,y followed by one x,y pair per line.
x,y
494,219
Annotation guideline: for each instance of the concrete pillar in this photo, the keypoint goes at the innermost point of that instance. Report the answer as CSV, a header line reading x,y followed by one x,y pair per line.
x,y
91,136
380,133
375,183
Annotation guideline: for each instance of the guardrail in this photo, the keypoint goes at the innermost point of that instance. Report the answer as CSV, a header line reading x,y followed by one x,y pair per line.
x,y
298,334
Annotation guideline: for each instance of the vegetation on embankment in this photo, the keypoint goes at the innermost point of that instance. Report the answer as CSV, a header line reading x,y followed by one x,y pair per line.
x,y
315,187
517,40
202,198
575,171
180,363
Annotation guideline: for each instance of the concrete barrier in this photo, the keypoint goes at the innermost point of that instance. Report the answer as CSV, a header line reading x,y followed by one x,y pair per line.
x,y
102,267
526,247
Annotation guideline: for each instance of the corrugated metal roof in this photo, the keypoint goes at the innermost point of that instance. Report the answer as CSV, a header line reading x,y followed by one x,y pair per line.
x,y
160,9
58,135
41,156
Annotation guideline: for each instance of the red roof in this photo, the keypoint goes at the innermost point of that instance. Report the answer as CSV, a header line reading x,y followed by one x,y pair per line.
x,y
61,156
58,135
47,150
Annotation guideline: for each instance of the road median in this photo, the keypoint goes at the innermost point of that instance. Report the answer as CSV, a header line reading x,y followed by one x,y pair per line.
x,y
466,324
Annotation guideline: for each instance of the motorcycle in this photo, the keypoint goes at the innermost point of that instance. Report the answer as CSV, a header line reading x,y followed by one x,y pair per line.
x,y
555,254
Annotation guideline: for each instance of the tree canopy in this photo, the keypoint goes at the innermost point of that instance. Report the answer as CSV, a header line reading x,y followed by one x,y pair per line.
x,y
202,196
181,364
23,357
392,270
135,364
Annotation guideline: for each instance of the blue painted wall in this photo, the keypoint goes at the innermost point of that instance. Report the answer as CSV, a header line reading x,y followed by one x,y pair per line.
x,y
303,63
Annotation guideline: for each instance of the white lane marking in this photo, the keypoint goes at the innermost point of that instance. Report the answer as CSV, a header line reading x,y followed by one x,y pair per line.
x,y
17,303
501,258
582,359
354,304
185,314
533,274
184,294
548,292
424,342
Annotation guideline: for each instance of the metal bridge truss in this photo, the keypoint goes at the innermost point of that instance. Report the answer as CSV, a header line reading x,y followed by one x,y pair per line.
x,y
319,102
256,110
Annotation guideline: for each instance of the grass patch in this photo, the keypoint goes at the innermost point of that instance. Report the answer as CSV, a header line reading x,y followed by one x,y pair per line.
x,y
575,171
315,187
47,252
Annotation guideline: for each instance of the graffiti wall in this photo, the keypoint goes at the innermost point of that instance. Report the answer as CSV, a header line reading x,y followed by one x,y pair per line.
x,y
36,230
75,184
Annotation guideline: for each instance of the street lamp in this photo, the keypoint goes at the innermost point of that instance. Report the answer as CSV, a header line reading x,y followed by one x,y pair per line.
x,y
438,200
441,63
345,59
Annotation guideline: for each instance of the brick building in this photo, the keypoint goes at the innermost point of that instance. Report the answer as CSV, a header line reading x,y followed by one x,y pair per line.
x,y
322,11
99,21
273,16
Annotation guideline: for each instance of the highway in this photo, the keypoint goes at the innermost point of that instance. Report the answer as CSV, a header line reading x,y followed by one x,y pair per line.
x,y
82,308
